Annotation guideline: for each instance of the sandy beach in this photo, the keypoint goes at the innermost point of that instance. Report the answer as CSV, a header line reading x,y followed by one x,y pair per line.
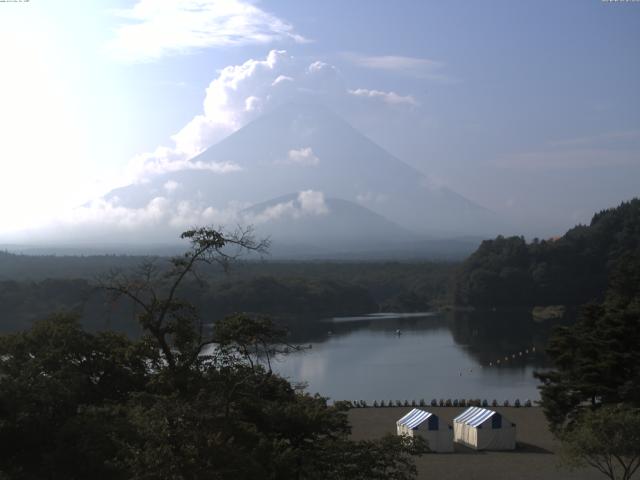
x,y
534,458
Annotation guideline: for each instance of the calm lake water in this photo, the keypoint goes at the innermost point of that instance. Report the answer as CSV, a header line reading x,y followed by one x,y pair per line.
x,y
452,355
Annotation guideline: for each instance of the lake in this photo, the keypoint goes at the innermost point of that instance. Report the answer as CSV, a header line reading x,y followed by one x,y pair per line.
x,y
386,357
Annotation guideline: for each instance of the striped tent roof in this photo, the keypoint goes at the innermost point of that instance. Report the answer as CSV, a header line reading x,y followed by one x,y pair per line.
x,y
414,418
474,416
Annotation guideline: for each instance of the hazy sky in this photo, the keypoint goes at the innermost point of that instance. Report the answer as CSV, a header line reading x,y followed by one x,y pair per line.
x,y
531,109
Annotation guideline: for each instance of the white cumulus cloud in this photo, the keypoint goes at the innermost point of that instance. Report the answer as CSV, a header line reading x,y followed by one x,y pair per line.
x,y
235,97
308,203
108,216
152,29
104,213
301,156
312,202
232,99
280,79
165,160
171,186
240,94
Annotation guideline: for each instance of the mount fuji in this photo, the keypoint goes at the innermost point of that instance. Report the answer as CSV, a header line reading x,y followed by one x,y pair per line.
x,y
301,175
338,173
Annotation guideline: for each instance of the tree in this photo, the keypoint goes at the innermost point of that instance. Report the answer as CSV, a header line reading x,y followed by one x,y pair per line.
x,y
55,382
571,270
597,360
608,439
168,320
253,339
592,396
389,458
183,402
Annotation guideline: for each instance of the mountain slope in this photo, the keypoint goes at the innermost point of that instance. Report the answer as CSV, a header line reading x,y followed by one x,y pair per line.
x,y
307,147
324,224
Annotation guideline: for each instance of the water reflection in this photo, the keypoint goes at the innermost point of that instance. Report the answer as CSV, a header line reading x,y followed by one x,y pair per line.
x,y
434,356
511,338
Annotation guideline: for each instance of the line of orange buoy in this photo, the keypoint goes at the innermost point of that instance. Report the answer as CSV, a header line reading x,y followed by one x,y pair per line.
x,y
500,361
511,357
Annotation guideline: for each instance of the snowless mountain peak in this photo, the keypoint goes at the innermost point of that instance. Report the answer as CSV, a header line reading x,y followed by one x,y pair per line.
x,y
307,149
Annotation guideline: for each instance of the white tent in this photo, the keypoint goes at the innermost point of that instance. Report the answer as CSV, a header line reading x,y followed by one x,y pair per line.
x,y
418,422
484,429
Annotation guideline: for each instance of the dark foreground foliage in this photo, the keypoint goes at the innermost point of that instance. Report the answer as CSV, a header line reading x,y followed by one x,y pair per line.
x,y
592,397
597,360
607,439
177,403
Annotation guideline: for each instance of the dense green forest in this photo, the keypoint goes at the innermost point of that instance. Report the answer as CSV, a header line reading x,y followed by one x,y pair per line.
x,y
32,287
571,270
591,396
176,403
597,358
504,272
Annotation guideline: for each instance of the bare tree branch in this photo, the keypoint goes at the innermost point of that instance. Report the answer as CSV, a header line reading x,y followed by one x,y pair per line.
x,y
171,322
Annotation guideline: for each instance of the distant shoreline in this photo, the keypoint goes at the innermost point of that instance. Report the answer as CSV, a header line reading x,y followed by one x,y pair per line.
x,y
380,316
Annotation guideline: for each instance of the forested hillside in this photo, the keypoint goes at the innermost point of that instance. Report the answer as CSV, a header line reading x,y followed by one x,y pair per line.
x,y
570,270
33,287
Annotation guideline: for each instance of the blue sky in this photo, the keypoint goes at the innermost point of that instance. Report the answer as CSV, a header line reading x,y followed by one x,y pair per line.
x,y
531,109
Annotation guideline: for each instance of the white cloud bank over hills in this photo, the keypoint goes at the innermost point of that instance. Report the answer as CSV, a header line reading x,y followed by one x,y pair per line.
x,y
308,203
108,220
158,28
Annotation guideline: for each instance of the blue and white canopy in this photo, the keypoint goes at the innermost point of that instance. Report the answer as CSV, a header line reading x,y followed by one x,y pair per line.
x,y
414,418
474,416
